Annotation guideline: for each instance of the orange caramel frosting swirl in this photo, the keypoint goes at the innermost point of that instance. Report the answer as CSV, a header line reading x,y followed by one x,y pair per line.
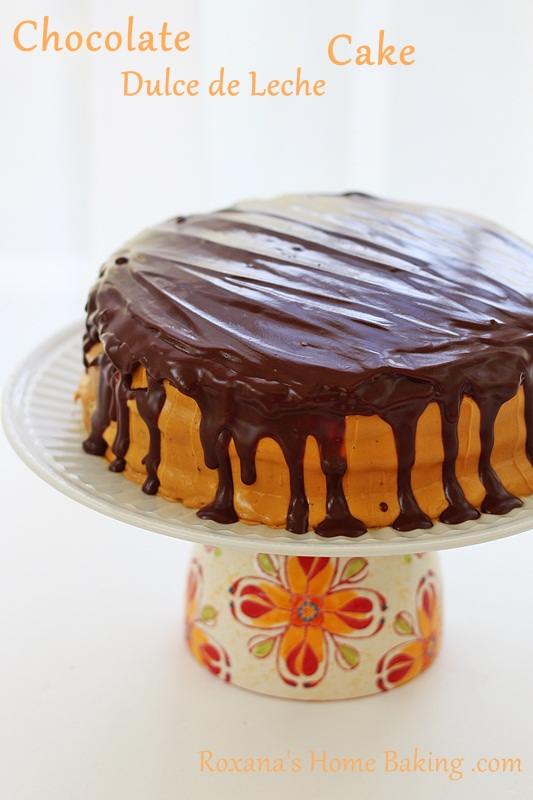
x,y
281,318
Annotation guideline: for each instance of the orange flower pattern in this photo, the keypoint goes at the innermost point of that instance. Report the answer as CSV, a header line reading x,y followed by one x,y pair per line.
x,y
198,619
406,660
306,607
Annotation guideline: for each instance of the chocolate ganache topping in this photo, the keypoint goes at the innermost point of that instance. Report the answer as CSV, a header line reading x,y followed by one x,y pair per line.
x,y
280,318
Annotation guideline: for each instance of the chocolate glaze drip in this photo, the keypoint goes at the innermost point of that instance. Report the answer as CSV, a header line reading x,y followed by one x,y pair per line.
x,y
459,509
121,413
95,444
221,509
280,318
150,402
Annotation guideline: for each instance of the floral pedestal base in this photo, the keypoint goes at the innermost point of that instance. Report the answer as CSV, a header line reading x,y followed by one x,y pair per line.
x,y
313,628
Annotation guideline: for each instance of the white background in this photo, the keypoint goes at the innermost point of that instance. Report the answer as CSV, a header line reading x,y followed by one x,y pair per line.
x,y
99,698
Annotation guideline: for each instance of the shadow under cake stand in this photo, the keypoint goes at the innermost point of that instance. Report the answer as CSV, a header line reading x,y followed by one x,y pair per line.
x,y
288,615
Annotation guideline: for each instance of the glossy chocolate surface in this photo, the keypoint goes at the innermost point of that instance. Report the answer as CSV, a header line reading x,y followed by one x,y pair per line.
x,y
280,318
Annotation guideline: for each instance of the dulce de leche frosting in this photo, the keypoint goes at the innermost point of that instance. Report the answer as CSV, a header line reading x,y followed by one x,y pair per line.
x,y
294,318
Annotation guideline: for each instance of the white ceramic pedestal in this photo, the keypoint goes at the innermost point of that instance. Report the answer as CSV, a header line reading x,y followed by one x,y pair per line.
x,y
310,627
290,616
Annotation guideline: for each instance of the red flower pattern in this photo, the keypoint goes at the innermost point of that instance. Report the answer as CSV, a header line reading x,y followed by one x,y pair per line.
x,y
201,642
406,660
306,608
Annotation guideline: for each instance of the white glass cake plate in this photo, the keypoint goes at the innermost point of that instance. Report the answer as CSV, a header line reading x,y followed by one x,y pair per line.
x,y
44,425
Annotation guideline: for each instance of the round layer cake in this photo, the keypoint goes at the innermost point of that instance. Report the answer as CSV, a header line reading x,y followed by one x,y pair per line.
x,y
316,361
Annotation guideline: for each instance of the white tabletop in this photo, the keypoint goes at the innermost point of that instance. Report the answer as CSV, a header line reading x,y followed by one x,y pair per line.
x,y
100,698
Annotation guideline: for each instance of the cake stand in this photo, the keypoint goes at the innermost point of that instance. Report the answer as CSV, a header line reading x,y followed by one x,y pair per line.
x,y
289,615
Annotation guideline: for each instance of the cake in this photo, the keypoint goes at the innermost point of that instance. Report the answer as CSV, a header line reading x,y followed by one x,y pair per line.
x,y
322,362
